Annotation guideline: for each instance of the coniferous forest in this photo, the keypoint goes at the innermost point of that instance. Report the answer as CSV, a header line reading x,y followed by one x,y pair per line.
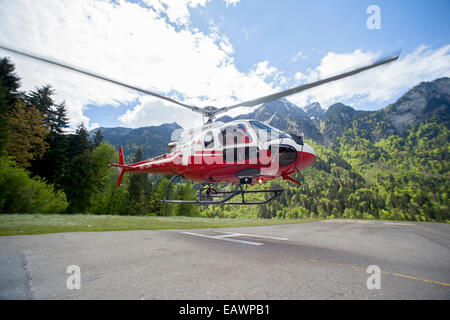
x,y
359,172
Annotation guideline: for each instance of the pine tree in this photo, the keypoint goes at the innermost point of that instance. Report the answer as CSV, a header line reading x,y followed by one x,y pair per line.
x,y
9,81
51,165
41,98
79,142
9,84
60,119
4,109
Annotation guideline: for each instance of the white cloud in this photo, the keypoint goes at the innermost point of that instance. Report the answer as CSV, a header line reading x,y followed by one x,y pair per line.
x,y
377,86
264,70
335,63
151,111
130,43
93,125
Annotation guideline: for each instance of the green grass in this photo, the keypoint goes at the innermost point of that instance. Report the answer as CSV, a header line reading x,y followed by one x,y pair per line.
x,y
21,224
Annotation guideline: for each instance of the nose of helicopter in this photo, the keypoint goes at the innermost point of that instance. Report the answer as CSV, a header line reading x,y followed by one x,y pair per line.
x,y
306,157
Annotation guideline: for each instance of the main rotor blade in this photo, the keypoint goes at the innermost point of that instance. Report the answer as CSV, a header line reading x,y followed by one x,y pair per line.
x,y
91,74
275,96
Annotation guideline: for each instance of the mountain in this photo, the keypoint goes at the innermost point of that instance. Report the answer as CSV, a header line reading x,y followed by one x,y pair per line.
x,y
337,119
424,101
421,103
153,139
315,113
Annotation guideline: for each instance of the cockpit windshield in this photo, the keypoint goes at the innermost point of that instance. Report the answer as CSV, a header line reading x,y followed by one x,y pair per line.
x,y
267,133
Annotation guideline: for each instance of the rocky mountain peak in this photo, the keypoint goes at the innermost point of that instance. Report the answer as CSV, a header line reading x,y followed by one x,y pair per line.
x,y
420,103
314,110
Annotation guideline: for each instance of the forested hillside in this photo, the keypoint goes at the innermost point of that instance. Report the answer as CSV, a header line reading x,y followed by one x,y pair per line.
x,y
387,164
401,178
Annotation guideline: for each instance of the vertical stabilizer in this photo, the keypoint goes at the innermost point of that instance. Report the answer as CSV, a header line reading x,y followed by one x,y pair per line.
x,y
121,156
121,162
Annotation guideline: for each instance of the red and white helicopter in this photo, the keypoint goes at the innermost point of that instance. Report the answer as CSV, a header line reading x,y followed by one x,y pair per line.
x,y
236,153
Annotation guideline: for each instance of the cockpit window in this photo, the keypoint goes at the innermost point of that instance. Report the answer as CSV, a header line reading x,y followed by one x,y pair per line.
x,y
267,133
235,134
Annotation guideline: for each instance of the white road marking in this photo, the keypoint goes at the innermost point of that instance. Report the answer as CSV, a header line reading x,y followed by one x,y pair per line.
x,y
231,234
224,239
227,235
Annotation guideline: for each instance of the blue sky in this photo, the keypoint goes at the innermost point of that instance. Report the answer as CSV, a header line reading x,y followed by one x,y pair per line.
x,y
279,29
218,52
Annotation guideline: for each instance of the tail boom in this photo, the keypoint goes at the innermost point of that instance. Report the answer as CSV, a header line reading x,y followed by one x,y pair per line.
x,y
165,164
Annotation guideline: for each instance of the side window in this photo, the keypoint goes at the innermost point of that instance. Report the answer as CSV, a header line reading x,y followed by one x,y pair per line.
x,y
209,140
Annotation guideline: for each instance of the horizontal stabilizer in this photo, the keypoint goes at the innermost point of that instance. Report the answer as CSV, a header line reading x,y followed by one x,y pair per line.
x,y
120,165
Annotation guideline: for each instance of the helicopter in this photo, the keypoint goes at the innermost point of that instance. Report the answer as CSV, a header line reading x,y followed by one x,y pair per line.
x,y
234,154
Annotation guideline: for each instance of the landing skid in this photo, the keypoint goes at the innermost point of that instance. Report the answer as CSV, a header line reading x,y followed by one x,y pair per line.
x,y
207,195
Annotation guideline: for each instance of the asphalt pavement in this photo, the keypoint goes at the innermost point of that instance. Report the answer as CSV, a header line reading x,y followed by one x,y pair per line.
x,y
316,260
